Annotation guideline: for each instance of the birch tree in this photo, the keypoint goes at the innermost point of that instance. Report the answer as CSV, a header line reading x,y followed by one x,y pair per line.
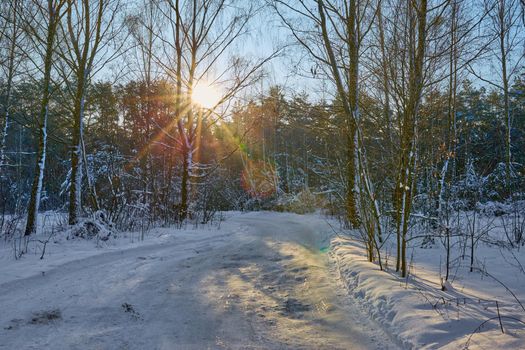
x,y
504,18
505,57
42,30
201,35
415,44
87,29
332,32
10,35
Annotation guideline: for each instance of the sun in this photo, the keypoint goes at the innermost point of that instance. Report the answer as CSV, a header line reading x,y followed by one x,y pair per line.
x,y
205,95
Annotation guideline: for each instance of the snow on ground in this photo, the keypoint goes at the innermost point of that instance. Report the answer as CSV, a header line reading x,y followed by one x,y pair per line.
x,y
261,281
63,247
421,316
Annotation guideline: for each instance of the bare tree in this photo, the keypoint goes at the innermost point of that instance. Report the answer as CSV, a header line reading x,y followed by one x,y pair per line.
x,y
505,24
11,34
87,29
506,47
332,33
415,37
201,34
42,29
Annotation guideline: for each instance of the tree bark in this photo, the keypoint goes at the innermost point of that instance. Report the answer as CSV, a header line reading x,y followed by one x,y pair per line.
x,y
75,193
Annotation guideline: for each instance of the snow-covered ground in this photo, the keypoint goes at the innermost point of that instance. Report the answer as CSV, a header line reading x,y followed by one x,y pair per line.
x,y
421,315
261,281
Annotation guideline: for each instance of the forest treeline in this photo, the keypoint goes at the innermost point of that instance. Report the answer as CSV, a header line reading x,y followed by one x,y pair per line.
x,y
420,110
287,145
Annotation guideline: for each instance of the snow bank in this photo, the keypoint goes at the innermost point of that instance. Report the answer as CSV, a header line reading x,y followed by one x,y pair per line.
x,y
421,316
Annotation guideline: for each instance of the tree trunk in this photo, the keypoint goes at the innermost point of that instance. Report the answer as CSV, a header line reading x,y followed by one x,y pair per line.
x,y
184,187
351,203
91,187
75,193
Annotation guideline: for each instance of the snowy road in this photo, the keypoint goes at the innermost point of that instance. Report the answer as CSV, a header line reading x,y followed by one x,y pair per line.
x,y
261,282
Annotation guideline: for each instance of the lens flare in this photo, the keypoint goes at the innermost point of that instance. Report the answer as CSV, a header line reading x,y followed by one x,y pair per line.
x,y
259,179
